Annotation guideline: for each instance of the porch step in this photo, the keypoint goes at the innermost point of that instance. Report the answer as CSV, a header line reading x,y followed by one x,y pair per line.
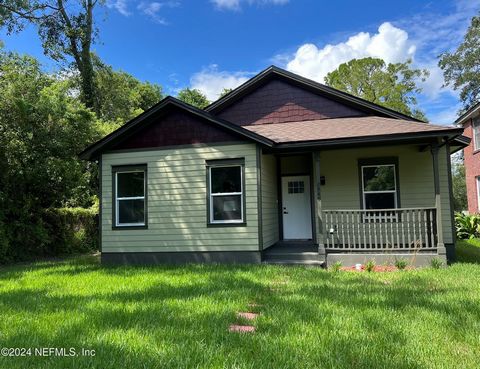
x,y
316,263
293,256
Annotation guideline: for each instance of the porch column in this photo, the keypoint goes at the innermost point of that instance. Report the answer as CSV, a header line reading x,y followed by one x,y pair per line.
x,y
438,200
318,205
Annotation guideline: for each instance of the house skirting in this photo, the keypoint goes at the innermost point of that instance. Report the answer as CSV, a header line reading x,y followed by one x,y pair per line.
x,y
154,258
350,259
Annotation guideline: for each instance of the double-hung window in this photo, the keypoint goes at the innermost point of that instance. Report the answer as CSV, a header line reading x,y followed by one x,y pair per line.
x,y
476,133
130,202
379,188
226,194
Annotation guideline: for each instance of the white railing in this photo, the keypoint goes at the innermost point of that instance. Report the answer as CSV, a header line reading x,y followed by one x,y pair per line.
x,y
380,229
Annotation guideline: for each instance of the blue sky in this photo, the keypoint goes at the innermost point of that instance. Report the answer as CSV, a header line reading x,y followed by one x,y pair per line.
x,y
212,44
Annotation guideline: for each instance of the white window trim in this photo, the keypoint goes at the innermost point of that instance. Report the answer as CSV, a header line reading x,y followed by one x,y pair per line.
x,y
118,199
394,191
477,181
212,195
475,128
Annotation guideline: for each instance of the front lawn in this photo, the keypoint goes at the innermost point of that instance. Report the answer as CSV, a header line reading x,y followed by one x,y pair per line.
x,y
178,317
468,251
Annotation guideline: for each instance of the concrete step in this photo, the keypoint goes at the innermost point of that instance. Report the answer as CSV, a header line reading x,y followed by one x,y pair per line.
x,y
317,263
299,256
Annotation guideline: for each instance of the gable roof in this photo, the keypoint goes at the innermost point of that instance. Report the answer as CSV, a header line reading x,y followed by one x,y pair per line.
x,y
137,123
469,113
274,72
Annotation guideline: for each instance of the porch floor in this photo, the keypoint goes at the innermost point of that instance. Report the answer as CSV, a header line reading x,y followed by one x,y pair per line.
x,y
293,253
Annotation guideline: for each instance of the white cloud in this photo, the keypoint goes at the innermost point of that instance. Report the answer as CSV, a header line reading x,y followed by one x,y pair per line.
x,y
120,6
212,81
237,4
390,43
152,9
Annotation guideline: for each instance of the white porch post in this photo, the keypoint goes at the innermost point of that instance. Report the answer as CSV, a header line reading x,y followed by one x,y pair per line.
x,y
319,226
441,250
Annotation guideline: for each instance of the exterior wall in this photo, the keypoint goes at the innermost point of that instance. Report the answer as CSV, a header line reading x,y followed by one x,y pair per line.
x,y
472,168
342,188
279,102
269,201
177,213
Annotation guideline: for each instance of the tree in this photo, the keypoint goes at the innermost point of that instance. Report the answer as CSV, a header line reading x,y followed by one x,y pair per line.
x,y
193,97
43,127
225,91
459,187
120,96
461,69
391,85
65,29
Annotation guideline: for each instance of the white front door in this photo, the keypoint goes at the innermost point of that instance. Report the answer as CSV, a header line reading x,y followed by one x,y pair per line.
x,y
296,208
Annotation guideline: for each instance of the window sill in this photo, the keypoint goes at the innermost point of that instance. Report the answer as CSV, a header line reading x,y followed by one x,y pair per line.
x,y
213,225
119,228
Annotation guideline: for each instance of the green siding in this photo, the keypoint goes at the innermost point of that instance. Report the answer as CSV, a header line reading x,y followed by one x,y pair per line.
x,y
342,191
177,216
269,201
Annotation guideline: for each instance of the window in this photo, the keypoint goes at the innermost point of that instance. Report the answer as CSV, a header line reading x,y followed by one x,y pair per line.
x,y
478,192
476,133
226,194
129,185
296,187
379,186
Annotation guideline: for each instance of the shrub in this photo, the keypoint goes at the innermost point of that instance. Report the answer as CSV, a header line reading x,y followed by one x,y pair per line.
x,y
401,264
336,266
436,263
370,266
72,230
467,226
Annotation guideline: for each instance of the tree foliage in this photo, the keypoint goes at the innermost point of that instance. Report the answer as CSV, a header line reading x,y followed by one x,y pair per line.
x,y
461,68
43,127
120,96
225,91
459,187
391,85
66,29
193,97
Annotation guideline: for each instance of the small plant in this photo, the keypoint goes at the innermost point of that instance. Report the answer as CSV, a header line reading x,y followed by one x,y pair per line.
x,y
401,264
436,263
370,266
336,266
467,226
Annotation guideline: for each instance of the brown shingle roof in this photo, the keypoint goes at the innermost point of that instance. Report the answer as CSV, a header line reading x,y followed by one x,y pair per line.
x,y
338,128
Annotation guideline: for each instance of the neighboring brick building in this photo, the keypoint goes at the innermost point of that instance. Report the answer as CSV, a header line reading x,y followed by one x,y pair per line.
x,y
471,123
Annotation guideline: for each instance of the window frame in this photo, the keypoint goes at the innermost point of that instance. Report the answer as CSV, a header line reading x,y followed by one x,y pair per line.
x,y
115,199
378,162
477,182
475,131
226,163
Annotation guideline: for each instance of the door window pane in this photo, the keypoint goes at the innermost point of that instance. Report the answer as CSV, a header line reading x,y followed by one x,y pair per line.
x,y
227,207
226,179
296,187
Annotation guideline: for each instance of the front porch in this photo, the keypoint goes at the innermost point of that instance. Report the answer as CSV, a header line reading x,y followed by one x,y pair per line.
x,y
334,220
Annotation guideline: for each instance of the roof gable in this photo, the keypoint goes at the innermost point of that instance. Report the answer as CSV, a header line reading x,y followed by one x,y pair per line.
x,y
171,122
349,102
279,101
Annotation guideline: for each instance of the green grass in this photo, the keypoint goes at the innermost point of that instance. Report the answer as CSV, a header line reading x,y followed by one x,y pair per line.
x,y
468,251
177,317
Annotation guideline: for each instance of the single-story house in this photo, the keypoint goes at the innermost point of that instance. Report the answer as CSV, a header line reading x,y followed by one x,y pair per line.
x,y
470,121
281,169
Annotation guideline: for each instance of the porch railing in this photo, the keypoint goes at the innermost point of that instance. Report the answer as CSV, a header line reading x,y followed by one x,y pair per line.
x,y
380,229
